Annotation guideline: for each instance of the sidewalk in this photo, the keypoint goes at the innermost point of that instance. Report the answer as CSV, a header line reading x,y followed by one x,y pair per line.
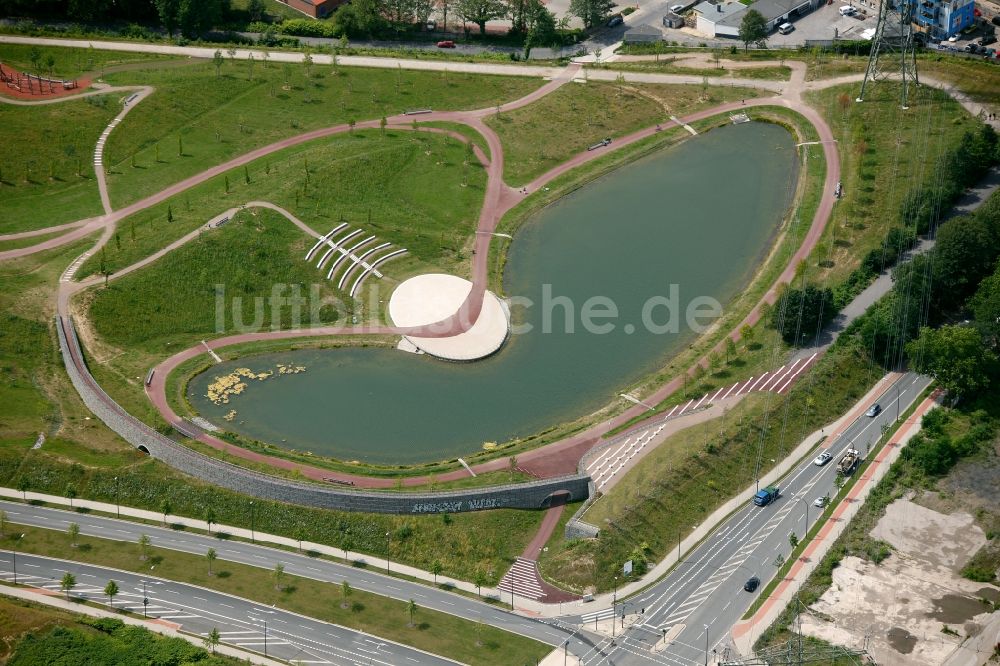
x,y
42,597
744,632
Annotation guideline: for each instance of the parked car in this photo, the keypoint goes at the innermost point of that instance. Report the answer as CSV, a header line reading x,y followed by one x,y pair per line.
x,y
446,44
786,28
823,459
953,39
615,20
847,10
987,39
820,502
971,47
874,411
751,584
676,9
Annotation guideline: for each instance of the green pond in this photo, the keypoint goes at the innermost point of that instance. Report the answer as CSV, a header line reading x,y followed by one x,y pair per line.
x,y
694,221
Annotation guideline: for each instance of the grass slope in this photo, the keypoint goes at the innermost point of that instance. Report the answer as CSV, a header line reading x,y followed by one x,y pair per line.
x,y
69,63
46,167
548,132
220,117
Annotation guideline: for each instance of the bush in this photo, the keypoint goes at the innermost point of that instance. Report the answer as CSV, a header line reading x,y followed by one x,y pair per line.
x,y
309,28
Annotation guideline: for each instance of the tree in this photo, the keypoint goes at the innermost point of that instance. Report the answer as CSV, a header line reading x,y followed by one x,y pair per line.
x,y
278,575
70,493
746,335
218,60
111,591
591,12
345,593
3,521
196,17
360,18
479,580
381,124
542,30
255,9
954,356
411,608
307,61
144,547
67,583
167,11
170,214
964,254
73,531
210,518
480,11
793,539
211,557
753,29
23,486
166,509
512,466
985,307
730,350
212,639
803,313
779,561
35,56
436,568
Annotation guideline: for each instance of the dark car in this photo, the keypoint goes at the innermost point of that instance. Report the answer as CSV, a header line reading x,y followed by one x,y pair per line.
x,y
751,584
971,47
617,19
874,411
446,44
987,39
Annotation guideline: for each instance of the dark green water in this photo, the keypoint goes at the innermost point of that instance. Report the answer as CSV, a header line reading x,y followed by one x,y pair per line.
x,y
698,216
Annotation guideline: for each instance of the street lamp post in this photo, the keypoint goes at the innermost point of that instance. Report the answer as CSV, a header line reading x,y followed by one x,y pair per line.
x,y
706,645
565,651
614,604
13,556
118,506
387,551
145,599
253,537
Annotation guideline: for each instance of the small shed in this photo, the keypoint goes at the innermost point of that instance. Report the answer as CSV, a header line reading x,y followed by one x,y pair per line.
x,y
643,34
672,20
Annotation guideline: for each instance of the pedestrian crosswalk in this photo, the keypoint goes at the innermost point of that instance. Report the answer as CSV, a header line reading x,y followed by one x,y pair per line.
x,y
522,578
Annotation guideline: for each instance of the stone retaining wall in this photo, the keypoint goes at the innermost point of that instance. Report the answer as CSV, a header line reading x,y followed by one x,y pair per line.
x,y
533,495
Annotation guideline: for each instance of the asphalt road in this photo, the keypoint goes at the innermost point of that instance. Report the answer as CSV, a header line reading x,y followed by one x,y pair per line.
x,y
551,632
240,622
699,601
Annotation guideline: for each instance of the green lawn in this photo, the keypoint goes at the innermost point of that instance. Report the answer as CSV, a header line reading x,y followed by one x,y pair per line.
x,y
406,187
670,66
69,63
212,118
885,153
540,136
704,464
47,172
441,633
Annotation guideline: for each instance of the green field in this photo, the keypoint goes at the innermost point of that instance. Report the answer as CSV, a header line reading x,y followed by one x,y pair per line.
x,y
538,137
38,634
671,66
441,633
885,153
412,189
212,119
47,172
69,63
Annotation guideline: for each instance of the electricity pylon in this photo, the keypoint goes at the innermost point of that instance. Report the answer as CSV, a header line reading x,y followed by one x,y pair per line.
x,y
892,51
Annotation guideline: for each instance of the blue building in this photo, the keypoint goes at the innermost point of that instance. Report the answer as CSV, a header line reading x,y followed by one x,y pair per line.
x,y
944,18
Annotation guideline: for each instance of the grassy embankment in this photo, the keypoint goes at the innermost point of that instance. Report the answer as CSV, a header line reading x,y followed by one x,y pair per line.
x,y
39,634
537,137
47,172
441,633
70,63
197,120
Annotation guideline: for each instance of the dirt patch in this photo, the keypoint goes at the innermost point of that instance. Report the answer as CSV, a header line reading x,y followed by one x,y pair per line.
x,y
914,607
941,539
901,640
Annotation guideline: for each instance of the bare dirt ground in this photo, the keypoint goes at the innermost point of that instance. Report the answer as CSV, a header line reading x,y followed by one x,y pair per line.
x,y
914,606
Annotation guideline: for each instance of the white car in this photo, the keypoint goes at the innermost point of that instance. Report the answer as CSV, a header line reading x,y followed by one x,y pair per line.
x,y
823,459
953,39
676,9
847,10
820,502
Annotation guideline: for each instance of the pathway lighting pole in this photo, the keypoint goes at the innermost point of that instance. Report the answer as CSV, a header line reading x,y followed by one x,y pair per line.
x,y
13,556
387,551
253,537
118,506
614,604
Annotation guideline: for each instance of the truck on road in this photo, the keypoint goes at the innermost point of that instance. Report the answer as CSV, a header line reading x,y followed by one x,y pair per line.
x,y
766,495
849,461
